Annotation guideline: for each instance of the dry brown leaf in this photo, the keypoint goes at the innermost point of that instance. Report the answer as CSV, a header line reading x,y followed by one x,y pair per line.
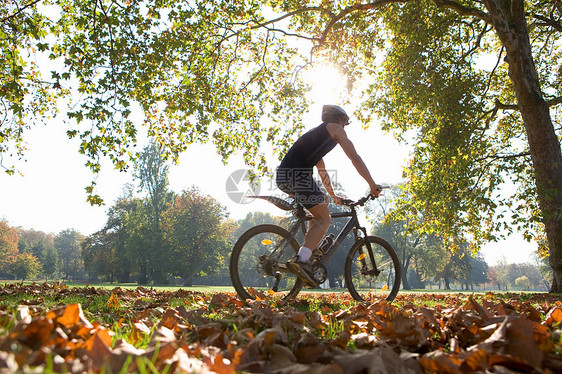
x,y
71,316
220,365
99,352
341,340
512,363
524,338
35,334
309,354
139,331
553,316
193,316
479,309
257,295
279,357
406,331
476,360
440,362
379,360
120,353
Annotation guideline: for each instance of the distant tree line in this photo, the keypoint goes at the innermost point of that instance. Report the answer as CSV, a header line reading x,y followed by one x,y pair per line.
x,y
525,276
26,254
428,260
184,238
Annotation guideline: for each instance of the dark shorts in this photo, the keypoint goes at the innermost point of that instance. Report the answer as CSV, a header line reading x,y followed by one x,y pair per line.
x,y
300,183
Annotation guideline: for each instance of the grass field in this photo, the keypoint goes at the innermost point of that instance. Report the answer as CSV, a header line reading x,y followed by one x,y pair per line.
x,y
203,288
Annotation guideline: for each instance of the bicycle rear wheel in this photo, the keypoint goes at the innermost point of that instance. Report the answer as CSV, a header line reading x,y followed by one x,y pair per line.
x,y
258,259
362,279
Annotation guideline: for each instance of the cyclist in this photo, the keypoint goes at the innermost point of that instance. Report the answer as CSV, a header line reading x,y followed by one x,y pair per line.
x,y
295,177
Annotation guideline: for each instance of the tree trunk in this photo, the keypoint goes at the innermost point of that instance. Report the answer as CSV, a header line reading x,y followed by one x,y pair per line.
x,y
510,24
405,266
332,280
123,277
188,281
143,276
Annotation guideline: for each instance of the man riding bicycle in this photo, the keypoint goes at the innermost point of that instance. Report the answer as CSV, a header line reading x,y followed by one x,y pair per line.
x,y
295,177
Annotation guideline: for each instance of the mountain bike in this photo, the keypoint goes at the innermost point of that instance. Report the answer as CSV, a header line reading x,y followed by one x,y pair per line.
x,y
258,259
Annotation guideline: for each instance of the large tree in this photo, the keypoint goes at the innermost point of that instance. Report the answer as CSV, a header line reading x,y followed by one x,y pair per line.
x,y
8,244
465,147
138,238
151,172
40,245
196,234
214,69
25,266
99,252
69,250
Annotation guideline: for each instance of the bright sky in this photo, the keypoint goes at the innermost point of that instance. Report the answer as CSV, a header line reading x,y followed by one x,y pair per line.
x,y
50,197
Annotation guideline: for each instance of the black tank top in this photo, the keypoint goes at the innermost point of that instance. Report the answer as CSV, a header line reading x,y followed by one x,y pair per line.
x,y
309,149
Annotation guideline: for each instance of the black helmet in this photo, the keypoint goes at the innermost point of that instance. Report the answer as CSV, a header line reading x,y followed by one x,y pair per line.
x,y
333,113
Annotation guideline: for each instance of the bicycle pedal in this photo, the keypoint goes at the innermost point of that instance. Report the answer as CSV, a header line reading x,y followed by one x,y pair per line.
x,y
310,286
301,274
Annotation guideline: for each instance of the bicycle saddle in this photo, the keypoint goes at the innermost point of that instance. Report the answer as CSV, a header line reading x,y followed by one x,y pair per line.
x,y
277,201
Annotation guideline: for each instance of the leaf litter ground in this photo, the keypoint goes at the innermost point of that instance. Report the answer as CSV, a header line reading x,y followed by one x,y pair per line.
x,y
143,330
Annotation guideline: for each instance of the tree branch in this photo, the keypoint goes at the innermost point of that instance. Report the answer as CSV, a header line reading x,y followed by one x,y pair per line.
x,y
500,105
464,10
550,103
491,159
476,44
335,18
281,18
548,22
256,25
19,11
555,101
503,157
449,4
354,8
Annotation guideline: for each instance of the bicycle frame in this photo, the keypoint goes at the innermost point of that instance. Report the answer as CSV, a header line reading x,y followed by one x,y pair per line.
x,y
351,225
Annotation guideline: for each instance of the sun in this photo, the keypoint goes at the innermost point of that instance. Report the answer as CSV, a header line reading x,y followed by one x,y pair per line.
x,y
328,85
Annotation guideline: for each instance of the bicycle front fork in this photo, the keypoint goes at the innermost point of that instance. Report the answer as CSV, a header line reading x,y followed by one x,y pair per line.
x,y
375,271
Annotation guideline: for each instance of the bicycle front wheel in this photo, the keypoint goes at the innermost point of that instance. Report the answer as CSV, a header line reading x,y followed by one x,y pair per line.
x,y
257,263
366,276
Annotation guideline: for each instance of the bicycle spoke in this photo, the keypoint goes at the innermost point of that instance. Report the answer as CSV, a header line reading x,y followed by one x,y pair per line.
x,y
384,264
257,263
363,280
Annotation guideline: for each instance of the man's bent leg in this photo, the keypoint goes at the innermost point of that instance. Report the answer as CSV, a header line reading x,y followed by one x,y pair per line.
x,y
318,226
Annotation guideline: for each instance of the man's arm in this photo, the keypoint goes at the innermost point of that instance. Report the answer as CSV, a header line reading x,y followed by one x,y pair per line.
x,y
326,182
339,135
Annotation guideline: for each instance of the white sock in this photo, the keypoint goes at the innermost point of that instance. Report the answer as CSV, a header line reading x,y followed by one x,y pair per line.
x,y
304,254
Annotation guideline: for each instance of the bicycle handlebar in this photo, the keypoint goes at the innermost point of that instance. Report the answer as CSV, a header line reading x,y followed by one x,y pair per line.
x,y
362,201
